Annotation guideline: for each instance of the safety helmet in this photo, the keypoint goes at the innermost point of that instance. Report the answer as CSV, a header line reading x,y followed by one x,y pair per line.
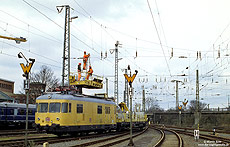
x,y
84,51
79,63
89,66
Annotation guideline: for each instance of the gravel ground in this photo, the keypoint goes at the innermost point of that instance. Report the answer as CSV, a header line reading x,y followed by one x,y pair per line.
x,y
76,142
148,139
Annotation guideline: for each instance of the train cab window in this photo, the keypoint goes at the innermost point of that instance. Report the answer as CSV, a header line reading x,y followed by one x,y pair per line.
x,y
79,108
69,107
99,109
107,110
64,108
42,107
54,107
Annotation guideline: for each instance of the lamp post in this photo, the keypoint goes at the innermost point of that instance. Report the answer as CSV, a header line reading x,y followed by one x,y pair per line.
x,y
26,70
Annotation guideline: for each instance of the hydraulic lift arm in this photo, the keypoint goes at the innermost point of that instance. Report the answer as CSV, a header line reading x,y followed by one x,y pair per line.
x,y
18,40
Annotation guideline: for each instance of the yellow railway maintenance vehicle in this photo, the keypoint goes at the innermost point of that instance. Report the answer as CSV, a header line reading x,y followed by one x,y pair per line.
x,y
69,111
68,114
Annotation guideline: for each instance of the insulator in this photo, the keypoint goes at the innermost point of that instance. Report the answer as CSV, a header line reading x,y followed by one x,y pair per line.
x,y
197,55
101,55
136,53
171,53
106,54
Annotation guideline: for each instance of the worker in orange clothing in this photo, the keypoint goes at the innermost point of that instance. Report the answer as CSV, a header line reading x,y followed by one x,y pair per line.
x,y
85,59
90,72
79,71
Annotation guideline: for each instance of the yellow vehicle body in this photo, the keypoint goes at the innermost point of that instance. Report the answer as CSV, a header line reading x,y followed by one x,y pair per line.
x,y
72,113
139,119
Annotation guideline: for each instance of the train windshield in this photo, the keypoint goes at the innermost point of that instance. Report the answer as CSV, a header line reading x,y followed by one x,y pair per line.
x,y
54,107
42,107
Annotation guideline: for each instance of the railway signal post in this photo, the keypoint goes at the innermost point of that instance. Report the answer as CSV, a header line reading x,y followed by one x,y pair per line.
x,y
26,69
130,80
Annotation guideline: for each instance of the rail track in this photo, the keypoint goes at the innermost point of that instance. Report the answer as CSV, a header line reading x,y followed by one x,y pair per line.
x,y
216,139
111,140
16,132
209,139
168,138
38,140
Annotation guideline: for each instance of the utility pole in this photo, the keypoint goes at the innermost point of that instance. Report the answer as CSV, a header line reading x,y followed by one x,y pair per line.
x,y
177,93
197,113
66,49
177,102
143,98
107,87
126,91
116,73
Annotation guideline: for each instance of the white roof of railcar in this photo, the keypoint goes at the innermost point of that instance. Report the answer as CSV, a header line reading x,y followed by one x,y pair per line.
x,y
6,104
52,96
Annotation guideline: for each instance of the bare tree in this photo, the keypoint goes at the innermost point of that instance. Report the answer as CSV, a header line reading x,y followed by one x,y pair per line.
x,y
45,76
192,105
152,105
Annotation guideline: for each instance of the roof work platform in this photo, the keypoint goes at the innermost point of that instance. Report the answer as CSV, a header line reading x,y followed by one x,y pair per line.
x,y
95,82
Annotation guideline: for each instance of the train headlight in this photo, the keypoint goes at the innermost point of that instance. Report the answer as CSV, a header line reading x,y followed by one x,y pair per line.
x,y
57,119
38,118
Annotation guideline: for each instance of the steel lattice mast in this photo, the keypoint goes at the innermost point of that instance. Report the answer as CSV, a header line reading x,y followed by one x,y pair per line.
x,y
66,50
116,73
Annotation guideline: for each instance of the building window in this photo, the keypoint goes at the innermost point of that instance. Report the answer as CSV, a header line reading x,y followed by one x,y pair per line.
x,y
64,108
99,109
107,110
79,108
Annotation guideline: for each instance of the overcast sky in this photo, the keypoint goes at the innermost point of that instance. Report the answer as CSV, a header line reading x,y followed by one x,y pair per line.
x,y
186,26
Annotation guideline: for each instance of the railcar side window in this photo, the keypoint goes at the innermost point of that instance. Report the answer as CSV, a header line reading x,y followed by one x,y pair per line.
x,y
11,112
69,107
64,108
107,110
42,107
99,109
22,111
2,112
30,112
54,107
79,108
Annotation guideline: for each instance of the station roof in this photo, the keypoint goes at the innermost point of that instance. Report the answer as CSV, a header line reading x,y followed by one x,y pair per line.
x,y
5,97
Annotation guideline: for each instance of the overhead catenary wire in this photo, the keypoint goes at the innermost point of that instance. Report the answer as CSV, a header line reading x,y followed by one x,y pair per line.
x,y
158,37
